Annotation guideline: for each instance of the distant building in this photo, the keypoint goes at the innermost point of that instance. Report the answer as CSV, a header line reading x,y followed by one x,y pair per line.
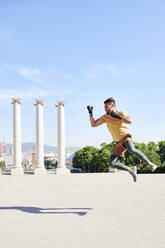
x,y
50,156
8,159
2,148
69,159
11,151
34,162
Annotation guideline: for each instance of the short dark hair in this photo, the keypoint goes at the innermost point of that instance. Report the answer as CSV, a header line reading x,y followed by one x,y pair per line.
x,y
109,100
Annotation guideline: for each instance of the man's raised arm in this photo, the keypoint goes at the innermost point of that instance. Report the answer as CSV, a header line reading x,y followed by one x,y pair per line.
x,y
92,121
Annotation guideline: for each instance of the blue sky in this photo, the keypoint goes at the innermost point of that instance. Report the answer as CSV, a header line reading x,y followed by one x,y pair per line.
x,y
83,52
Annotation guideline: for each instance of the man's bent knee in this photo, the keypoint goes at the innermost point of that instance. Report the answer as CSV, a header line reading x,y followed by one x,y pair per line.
x,y
112,160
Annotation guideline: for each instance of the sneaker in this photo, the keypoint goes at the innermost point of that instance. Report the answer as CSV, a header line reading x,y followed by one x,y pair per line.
x,y
133,173
152,166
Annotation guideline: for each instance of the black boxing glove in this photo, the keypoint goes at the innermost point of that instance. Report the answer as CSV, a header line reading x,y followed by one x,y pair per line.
x,y
115,115
90,109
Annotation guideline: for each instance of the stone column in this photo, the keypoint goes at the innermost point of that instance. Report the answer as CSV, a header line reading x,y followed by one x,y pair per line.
x,y
61,168
17,153
40,168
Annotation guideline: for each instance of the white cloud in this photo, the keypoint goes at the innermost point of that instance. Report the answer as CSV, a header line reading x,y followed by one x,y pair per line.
x,y
47,77
35,87
43,77
99,70
113,69
34,75
28,73
31,93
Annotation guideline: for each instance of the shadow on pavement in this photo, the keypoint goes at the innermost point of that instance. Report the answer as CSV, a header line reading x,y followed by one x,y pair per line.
x,y
37,210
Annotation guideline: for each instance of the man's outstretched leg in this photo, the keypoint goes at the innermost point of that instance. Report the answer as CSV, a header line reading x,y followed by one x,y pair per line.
x,y
115,164
140,155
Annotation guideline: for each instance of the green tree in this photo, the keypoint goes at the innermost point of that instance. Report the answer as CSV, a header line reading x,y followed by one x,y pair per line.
x,y
53,164
92,159
2,164
161,152
101,161
153,153
83,158
50,163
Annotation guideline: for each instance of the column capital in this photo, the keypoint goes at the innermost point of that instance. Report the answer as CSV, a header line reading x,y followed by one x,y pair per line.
x,y
16,100
60,103
36,102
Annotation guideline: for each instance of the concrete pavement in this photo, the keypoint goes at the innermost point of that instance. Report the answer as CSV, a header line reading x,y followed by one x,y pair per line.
x,y
82,210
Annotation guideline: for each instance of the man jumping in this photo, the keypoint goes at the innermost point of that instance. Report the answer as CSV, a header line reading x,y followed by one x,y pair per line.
x,y
116,122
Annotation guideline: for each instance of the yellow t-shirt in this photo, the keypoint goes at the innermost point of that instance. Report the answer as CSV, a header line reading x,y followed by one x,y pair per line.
x,y
117,128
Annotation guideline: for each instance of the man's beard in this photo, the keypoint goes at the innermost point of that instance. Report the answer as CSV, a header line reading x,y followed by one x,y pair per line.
x,y
108,112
